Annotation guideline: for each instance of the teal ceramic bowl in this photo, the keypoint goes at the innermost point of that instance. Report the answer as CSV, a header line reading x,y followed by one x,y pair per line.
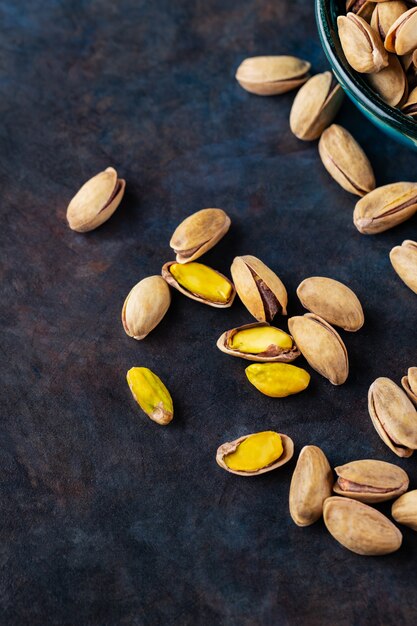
x,y
388,119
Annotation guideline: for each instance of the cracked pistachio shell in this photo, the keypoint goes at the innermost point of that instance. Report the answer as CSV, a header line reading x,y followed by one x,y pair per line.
x,y
96,201
370,481
198,233
390,83
333,301
360,528
364,8
385,207
151,394
145,306
311,484
272,75
404,510
393,416
321,346
200,282
410,107
259,288
315,106
259,342
345,161
260,448
409,384
362,45
402,36
385,14
404,262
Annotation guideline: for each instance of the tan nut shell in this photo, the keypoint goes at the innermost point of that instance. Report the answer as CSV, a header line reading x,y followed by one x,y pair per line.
x,y
198,233
410,107
404,262
333,301
404,510
390,82
96,201
385,207
321,346
272,75
360,528
311,484
230,446
166,275
370,481
145,306
402,36
409,384
362,45
286,356
385,14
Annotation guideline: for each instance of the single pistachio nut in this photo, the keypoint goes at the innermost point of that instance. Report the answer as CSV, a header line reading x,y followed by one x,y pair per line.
x,y
272,75
198,233
145,306
410,107
385,207
315,106
311,484
333,301
409,384
393,416
404,510
345,160
96,201
151,394
255,454
364,8
259,288
404,261
370,481
390,83
200,282
360,528
362,45
402,36
277,380
321,346
385,14
259,342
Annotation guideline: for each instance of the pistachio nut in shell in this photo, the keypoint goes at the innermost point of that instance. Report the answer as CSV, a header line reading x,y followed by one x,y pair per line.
x,y
333,301
198,233
390,83
259,342
200,282
145,306
151,394
393,416
277,380
402,36
255,454
272,75
96,201
404,261
385,207
362,45
409,384
345,160
259,288
311,484
385,14
360,528
370,481
410,107
364,8
315,106
321,346
404,510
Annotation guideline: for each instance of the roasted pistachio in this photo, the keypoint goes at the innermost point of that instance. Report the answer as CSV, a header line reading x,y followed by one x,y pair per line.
x,y
370,481
258,342
361,44
410,107
151,394
385,207
402,36
277,380
145,306
198,233
390,83
385,14
256,453
409,384
364,8
311,484
404,262
272,75
404,510
200,282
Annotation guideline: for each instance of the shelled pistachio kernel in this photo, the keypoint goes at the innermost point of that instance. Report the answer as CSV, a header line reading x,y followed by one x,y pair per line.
x,y
255,454
272,75
200,282
258,342
277,380
151,394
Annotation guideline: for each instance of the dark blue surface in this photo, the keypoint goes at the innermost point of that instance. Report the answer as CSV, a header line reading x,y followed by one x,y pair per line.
x,y
107,518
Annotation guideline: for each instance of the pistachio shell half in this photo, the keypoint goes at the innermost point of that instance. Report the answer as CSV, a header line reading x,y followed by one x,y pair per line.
x,y
259,451
385,14
390,82
404,510
145,306
370,481
404,261
272,75
311,484
364,8
198,233
200,282
362,45
385,207
259,342
402,36
409,384
410,107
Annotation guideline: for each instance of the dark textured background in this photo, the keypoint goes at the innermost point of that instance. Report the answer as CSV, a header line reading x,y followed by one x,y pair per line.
x,y
107,518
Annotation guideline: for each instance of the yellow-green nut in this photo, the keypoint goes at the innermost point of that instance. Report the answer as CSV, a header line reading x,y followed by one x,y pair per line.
x,y
277,380
200,282
151,394
259,342
256,453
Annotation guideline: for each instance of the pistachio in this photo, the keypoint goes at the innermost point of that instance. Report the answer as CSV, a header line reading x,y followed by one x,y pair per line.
x,y
404,262
385,207
96,201
145,306
198,233
200,282
345,160
410,107
393,416
315,106
409,384
321,346
272,75
362,45
333,301
404,510
370,481
364,8
385,14
277,380
259,288
311,484
390,83
151,394
402,36
360,528
259,342
255,454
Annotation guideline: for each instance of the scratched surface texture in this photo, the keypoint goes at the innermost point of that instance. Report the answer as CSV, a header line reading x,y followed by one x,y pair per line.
x,y
107,518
